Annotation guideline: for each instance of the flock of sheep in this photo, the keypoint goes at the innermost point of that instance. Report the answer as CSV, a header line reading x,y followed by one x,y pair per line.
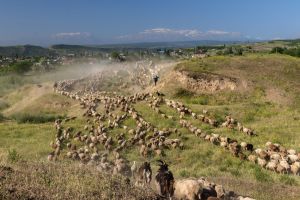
x,y
96,146
274,157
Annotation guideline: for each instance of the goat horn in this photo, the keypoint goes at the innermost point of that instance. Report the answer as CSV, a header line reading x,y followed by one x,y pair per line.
x,y
160,162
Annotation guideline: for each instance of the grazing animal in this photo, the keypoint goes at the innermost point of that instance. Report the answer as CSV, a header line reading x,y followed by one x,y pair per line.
x,y
133,169
164,180
188,189
144,174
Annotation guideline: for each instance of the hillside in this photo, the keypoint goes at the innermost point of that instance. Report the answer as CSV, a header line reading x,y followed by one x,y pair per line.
x,y
260,91
25,51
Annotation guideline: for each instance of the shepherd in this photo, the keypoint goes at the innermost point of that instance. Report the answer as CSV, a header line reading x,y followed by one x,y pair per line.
x,y
155,79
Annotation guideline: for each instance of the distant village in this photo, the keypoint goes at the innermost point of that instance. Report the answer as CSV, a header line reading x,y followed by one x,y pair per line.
x,y
47,62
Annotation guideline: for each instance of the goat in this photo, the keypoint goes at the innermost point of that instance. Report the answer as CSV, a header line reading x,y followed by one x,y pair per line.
x,y
144,174
164,180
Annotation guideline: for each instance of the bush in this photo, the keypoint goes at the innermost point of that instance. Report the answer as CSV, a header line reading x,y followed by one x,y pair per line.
x,y
291,51
28,118
21,67
17,68
181,92
2,118
278,50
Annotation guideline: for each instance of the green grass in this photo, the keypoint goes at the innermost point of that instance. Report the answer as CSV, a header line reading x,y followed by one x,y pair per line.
x,y
30,141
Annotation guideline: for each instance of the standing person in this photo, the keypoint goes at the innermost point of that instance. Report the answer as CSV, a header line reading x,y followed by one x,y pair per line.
x,y
155,79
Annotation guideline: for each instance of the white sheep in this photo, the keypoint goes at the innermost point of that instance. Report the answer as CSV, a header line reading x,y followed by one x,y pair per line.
x,y
291,152
261,162
295,168
275,156
285,165
252,158
293,158
272,165
187,189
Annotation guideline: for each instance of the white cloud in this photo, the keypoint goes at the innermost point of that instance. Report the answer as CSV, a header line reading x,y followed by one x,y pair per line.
x,y
181,32
217,32
72,34
167,34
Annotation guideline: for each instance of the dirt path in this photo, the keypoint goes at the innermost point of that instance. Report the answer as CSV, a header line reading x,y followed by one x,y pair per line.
x,y
32,94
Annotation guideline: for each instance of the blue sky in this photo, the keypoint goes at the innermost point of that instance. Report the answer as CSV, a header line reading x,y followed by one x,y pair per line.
x,y
45,22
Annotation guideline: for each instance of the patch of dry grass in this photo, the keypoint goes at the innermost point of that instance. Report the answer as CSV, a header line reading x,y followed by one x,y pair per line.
x,y
65,181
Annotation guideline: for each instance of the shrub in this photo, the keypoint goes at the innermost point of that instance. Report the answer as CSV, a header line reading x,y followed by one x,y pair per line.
x,y
288,51
277,50
21,67
181,92
28,118
2,118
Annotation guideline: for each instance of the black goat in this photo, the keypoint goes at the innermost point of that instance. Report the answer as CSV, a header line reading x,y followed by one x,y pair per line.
x,y
164,180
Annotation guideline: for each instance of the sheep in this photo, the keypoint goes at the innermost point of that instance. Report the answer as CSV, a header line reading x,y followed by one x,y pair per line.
x,y
295,168
261,162
247,146
263,154
293,158
252,158
51,156
187,189
220,191
271,165
291,152
275,156
285,165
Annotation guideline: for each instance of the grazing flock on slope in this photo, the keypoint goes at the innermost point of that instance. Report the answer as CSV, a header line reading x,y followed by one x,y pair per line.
x,y
96,144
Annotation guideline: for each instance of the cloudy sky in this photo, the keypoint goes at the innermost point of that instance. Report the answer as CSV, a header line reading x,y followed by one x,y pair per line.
x,y
118,21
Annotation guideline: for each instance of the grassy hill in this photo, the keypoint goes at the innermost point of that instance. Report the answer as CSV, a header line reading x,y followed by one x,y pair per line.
x,y
266,98
25,51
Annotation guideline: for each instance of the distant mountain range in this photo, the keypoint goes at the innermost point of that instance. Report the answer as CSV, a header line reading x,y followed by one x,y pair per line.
x,y
30,50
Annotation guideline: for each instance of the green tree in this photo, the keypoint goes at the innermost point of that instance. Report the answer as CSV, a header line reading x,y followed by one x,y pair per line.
x,y
21,67
115,55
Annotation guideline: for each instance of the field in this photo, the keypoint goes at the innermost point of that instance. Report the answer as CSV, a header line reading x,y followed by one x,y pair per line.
x,y
266,98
